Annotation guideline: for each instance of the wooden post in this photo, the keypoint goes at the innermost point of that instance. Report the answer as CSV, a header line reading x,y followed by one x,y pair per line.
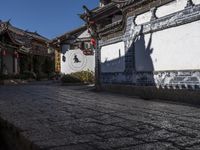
x,y
13,57
1,55
15,64
30,63
97,68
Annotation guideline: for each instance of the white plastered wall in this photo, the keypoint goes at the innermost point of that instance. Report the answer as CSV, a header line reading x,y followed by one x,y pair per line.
x,y
176,48
173,7
112,58
196,2
143,18
69,65
164,10
170,8
85,34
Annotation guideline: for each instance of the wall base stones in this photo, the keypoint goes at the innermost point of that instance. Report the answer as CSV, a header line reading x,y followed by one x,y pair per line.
x,y
151,92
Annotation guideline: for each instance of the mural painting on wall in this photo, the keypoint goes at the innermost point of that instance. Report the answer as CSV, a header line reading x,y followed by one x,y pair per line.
x,y
178,79
77,60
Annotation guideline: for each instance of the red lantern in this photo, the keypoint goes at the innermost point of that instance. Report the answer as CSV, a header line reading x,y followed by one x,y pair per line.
x,y
93,42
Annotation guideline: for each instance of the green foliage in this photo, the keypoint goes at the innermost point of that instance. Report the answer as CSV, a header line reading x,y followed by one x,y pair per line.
x,y
79,77
84,76
70,79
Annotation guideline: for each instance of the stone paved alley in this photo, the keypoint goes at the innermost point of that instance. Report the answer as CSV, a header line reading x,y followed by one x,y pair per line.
x,y
77,118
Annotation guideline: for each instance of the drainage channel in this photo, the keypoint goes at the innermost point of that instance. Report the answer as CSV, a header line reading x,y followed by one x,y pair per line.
x,y
11,139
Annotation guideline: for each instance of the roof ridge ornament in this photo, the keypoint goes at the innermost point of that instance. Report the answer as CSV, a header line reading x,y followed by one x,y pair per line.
x,y
190,3
9,20
87,11
3,26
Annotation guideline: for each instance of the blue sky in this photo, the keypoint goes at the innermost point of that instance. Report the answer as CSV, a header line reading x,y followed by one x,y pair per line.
x,y
49,18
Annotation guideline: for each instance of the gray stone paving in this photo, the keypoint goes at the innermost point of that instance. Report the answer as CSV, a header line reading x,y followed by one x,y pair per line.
x,y
76,118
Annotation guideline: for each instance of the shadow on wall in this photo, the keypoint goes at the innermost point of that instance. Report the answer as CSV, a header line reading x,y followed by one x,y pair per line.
x,y
113,65
138,68
143,62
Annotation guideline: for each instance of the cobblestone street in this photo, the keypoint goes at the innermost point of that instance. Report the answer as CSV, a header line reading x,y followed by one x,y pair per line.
x,y
77,118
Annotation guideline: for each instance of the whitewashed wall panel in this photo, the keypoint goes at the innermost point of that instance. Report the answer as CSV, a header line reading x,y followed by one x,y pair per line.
x,y
196,2
85,34
170,8
175,48
143,18
113,58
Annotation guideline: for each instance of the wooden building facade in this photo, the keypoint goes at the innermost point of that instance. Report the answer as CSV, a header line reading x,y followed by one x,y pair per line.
x,y
22,50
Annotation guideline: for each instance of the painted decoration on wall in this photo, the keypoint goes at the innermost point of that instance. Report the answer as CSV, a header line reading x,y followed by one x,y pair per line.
x,y
160,57
57,61
88,52
178,79
77,60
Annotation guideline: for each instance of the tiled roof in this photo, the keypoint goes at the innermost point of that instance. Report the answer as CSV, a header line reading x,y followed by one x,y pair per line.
x,y
37,36
34,35
26,33
111,6
68,34
24,39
